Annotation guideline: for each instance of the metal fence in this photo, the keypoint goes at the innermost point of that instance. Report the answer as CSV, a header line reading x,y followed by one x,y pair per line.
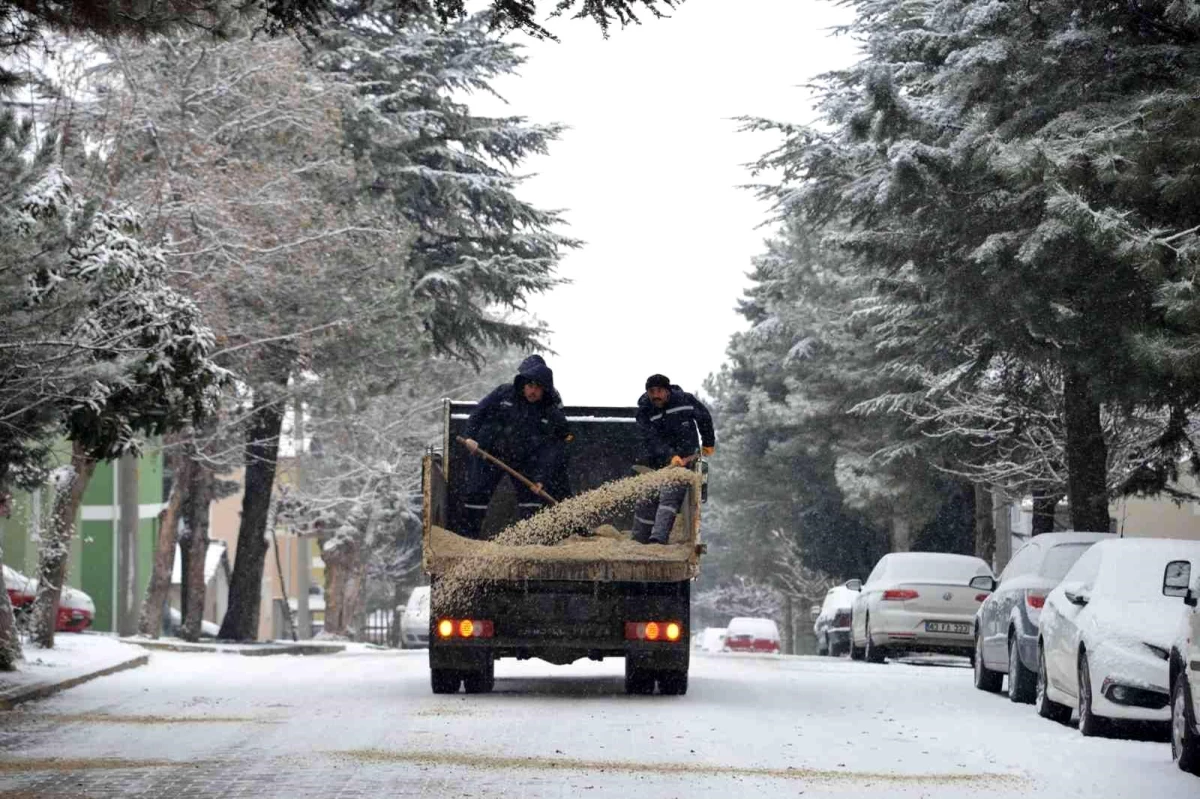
x,y
379,628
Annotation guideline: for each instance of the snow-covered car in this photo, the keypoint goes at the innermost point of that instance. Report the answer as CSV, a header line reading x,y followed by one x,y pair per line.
x,y
711,639
832,625
918,602
1184,670
414,621
75,608
20,588
749,634
1107,632
1006,626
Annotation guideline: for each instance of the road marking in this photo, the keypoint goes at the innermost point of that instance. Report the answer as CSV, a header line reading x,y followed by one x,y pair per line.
x,y
575,764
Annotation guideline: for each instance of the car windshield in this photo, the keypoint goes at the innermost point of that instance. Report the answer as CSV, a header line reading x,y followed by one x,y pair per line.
x,y
936,567
1060,559
1135,574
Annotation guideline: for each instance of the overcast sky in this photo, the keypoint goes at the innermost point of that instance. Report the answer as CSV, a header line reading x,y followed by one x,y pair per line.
x,y
649,175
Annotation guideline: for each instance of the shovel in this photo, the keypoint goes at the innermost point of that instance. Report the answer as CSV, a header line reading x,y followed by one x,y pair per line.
x,y
525,481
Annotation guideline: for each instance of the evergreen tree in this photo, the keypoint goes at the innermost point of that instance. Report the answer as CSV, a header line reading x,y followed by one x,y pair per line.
x,y
1012,165
476,244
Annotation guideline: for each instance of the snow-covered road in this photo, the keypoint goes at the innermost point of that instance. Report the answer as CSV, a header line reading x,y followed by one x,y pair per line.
x,y
365,724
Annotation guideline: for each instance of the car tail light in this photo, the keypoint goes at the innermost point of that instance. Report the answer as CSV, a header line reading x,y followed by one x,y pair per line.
x,y
900,594
981,597
465,628
1035,601
670,631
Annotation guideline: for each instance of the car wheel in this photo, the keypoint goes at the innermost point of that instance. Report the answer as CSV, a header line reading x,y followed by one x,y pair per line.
x,y
444,681
673,683
985,678
1047,708
1022,683
1185,744
874,653
1089,723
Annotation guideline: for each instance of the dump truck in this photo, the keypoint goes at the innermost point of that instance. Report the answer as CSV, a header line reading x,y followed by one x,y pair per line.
x,y
589,596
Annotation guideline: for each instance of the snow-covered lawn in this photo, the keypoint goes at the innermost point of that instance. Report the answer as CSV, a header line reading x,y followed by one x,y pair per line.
x,y
365,722
73,654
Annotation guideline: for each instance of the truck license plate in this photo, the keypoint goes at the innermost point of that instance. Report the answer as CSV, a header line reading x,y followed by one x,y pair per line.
x,y
956,628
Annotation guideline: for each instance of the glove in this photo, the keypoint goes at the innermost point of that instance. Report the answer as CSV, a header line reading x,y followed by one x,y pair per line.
x,y
677,461
708,451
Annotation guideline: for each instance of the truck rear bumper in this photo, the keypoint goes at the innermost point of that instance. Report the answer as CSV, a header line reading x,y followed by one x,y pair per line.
x,y
474,655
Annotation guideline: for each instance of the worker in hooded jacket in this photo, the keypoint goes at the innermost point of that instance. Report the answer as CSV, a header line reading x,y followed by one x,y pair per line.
x,y
521,423
676,428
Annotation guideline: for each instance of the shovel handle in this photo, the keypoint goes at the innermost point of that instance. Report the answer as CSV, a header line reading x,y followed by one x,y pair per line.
x,y
525,481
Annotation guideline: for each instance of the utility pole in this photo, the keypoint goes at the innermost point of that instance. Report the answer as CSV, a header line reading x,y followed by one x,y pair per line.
x,y
127,551
303,553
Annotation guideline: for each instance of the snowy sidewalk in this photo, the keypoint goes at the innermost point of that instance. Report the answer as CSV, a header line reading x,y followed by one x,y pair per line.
x,y
75,659
256,649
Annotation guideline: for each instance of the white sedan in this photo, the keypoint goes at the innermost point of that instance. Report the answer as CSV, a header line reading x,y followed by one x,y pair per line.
x,y
1107,632
918,602
414,621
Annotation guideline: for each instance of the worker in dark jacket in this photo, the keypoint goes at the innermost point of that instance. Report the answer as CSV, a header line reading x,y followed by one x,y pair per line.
x,y
676,428
521,423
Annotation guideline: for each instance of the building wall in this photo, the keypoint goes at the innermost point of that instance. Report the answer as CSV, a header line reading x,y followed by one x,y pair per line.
x,y
92,563
1160,517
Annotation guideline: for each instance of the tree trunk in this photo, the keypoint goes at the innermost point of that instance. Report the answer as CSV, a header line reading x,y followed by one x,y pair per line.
x,y
10,642
901,533
56,544
245,586
194,587
157,589
341,567
1044,505
789,625
398,600
985,529
1087,456
1002,524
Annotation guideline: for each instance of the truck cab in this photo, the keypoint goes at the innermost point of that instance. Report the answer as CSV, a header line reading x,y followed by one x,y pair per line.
x,y
589,596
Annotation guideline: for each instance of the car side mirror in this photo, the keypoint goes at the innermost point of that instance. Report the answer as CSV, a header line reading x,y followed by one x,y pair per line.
x,y
1176,578
1076,594
983,582
854,585
1190,598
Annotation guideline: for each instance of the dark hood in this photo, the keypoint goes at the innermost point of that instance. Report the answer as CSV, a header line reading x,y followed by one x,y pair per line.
x,y
534,370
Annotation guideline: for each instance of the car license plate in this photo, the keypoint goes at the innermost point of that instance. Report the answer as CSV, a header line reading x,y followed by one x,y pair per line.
x,y
957,628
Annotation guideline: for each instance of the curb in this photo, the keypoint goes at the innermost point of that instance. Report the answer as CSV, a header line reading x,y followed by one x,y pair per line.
x,y
246,650
27,693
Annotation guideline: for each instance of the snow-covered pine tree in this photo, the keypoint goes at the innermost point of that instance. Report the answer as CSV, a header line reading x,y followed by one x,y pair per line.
x,y
476,246
1013,157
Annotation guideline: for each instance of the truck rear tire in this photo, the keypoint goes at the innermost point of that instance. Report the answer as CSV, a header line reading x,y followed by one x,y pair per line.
x,y
638,681
673,683
480,682
444,681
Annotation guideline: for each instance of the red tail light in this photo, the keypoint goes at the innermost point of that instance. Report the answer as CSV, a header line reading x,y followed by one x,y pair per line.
x,y
900,594
981,597
465,628
670,631
1036,601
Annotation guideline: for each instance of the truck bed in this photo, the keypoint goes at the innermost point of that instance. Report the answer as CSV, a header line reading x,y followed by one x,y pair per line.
x,y
605,448
597,558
